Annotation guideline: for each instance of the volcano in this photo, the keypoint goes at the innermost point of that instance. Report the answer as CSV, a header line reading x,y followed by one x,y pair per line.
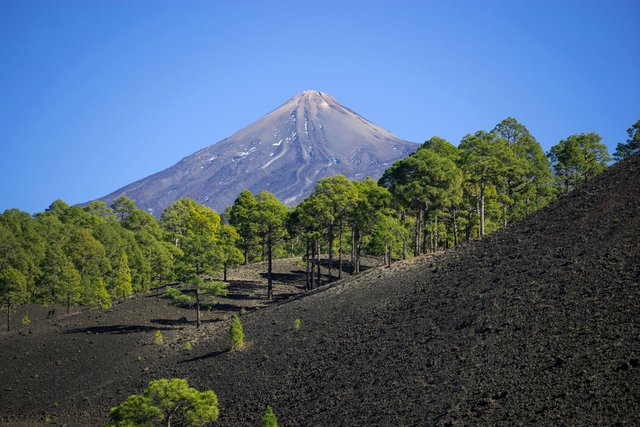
x,y
286,152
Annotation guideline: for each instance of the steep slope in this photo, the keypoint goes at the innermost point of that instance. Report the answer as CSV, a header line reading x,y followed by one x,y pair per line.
x,y
535,325
286,152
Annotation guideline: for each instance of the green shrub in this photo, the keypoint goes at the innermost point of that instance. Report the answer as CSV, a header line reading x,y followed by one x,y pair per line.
x,y
188,346
236,334
296,324
159,339
269,419
26,320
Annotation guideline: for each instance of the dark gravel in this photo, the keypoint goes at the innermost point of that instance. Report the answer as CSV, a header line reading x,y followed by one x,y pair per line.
x,y
535,325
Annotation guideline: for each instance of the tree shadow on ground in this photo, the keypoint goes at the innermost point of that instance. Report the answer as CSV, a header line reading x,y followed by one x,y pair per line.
x,y
228,307
172,322
293,277
241,297
181,321
204,356
115,329
244,285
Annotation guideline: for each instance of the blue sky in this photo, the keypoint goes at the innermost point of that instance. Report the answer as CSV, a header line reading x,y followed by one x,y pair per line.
x,y
97,94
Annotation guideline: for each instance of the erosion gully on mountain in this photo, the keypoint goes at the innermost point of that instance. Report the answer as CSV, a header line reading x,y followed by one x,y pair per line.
x,y
534,325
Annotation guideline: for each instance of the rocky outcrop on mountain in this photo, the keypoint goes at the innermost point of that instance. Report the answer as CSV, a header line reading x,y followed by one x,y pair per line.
x,y
286,152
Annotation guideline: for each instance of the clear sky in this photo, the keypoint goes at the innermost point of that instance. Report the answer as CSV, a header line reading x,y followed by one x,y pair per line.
x,y
97,94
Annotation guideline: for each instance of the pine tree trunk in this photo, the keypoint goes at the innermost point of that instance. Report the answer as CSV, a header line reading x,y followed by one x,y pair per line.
x,y
481,206
435,234
353,245
404,240
225,272
318,265
269,259
311,259
455,227
330,249
425,235
306,266
446,236
404,248
504,216
356,248
8,316
68,303
197,308
340,253
246,254
416,243
359,252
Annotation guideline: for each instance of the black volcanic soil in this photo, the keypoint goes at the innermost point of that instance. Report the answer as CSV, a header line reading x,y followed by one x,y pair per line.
x,y
535,325
54,365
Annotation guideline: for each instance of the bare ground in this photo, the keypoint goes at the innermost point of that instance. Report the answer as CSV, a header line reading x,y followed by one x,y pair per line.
x,y
535,325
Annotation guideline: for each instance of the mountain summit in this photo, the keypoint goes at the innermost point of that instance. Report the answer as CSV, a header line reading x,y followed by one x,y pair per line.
x,y
286,152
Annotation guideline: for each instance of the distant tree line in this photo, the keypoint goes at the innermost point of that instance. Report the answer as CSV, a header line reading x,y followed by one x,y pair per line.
x,y
95,254
431,200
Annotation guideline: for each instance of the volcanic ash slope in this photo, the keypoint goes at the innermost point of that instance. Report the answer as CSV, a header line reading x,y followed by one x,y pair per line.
x,y
536,325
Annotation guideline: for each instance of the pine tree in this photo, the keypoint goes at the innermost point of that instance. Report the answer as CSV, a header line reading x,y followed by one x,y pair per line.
x,y
241,217
236,334
123,207
229,252
486,160
270,216
578,158
269,419
167,402
123,286
13,289
335,196
95,293
632,145
70,288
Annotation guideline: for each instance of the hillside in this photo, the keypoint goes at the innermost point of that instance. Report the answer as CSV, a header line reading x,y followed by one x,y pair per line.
x,y
286,152
535,325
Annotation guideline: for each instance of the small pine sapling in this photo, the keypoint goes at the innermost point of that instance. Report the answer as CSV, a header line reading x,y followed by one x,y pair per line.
x,y
236,334
188,346
26,320
159,339
269,419
296,324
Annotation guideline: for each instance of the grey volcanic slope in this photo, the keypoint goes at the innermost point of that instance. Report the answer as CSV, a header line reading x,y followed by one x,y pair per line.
x,y
535,325
286,152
